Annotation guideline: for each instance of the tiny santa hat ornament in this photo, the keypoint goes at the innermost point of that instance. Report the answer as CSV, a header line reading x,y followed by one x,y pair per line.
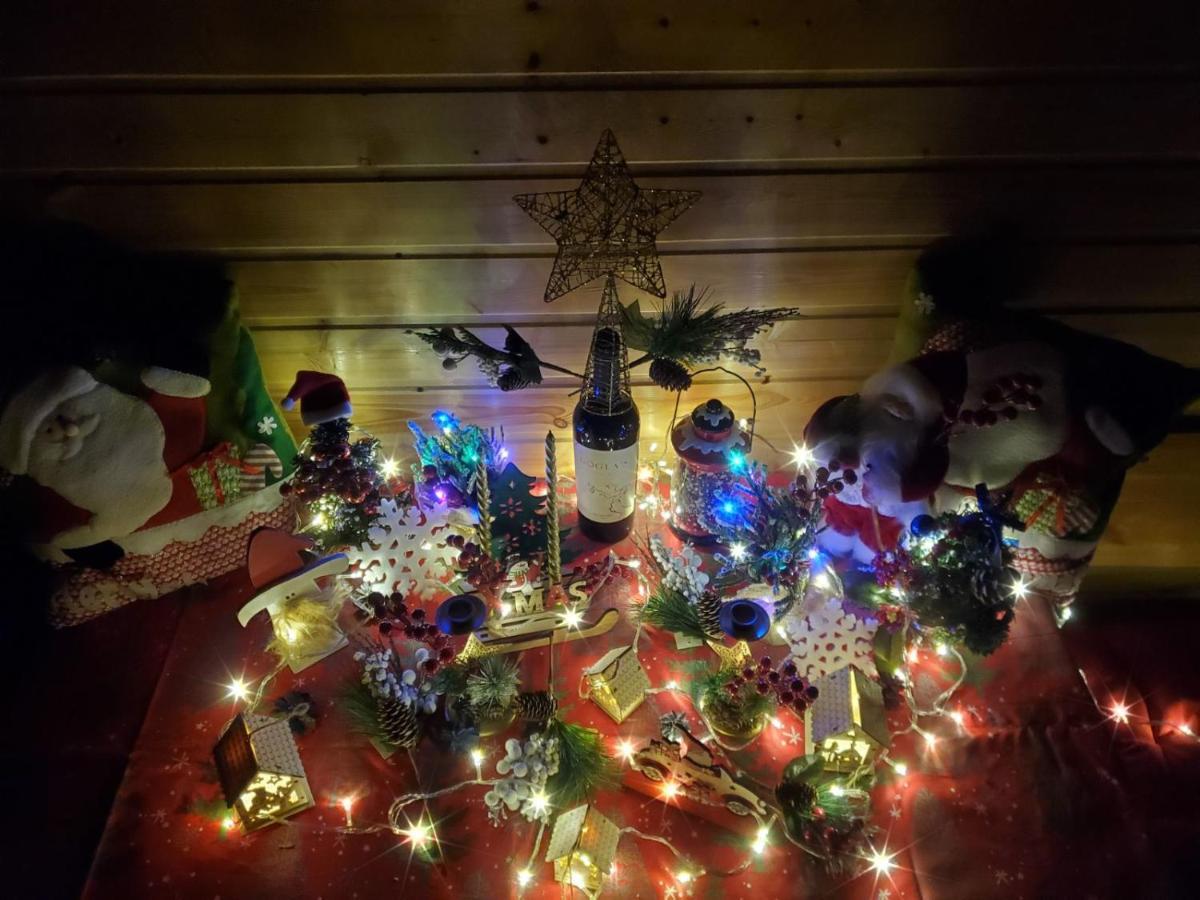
x,y
281,570
28,408
323,397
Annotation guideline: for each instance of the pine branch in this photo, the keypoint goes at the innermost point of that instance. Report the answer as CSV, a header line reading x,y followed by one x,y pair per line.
x,y
584,766
669,609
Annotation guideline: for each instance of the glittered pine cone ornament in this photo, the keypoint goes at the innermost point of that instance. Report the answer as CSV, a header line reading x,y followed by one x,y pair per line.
x,y
537,706
398,721
708,609
513,379
670,375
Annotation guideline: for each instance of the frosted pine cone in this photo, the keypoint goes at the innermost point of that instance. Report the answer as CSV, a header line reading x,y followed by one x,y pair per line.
x,y
536,707
668,374
398,720
512,379
708,608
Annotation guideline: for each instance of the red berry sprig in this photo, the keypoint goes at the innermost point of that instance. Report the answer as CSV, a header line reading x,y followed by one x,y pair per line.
x,y
789,686
392,613
1004,400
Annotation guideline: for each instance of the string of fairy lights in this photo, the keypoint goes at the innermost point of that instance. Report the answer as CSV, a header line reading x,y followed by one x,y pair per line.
x,y
420,834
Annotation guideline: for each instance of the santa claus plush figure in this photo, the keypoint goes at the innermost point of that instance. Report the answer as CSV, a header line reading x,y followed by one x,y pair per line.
x,y
1046,418
105,463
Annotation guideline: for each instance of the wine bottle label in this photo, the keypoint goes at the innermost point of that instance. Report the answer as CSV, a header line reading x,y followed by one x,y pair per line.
x,y
606,482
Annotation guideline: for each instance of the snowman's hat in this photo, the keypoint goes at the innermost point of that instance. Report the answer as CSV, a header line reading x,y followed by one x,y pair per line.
x,y
283,566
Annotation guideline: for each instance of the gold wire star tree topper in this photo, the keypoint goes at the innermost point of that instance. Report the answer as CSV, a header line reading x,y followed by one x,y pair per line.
x,y
606,226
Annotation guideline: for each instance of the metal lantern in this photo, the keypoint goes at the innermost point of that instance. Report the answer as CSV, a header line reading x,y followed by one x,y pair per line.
x,y
260,770
847,723
711,448
582,847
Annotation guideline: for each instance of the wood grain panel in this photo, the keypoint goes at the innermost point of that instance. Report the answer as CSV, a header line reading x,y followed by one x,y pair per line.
x,y
349,135
432,37
749,212
868,282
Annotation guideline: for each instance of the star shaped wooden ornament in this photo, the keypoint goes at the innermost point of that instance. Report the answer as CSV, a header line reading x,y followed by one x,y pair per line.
x,y
607,225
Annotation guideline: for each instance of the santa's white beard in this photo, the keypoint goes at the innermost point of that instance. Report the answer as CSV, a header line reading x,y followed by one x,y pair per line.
x,y
116,472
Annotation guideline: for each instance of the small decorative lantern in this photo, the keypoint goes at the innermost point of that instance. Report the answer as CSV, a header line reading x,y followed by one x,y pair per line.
x,y
260,770
712,449
846,724
582,848
617,683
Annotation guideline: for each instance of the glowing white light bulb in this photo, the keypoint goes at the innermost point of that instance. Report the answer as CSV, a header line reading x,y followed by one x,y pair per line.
x,y
477,756
625,749
837,790
821,581
1120,713
645,472
539,802
390,467
524,877
881,862
1186,729
957,717
900,769
941,649
227,823
571,617
1020,588
418,835
238,690
737,551
802,456
684,877
670,789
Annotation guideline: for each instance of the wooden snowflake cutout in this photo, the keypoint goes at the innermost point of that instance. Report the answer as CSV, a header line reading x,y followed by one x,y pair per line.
x,y
828,638
407,552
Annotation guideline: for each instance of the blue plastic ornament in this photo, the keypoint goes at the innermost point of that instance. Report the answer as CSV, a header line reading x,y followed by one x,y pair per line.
x,y
744,620
460,614
923,525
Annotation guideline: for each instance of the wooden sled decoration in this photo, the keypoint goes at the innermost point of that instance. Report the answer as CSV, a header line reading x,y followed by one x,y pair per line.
x,y
527,632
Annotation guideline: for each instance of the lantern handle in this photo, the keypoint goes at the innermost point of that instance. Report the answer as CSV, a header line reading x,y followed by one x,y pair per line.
x,y
749,389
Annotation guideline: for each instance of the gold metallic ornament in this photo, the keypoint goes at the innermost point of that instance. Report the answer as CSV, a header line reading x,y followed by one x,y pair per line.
x,y
606,226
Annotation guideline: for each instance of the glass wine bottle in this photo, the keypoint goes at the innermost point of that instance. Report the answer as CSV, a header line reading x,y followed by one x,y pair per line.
x,y
606,431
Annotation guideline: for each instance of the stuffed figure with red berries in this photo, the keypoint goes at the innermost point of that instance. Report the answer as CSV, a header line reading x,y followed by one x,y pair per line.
x,y
1046,418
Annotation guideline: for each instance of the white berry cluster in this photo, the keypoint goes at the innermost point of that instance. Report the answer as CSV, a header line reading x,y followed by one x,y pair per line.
x,y
526,767
378,674
681,571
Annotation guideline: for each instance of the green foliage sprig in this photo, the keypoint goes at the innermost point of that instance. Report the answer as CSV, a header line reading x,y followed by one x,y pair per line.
x,y
688,331
732,711
493,685
584,765
669,609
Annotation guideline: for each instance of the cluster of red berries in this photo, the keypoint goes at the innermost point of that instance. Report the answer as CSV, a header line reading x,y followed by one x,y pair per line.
x,y
484,574
334,465
825,481
393,613
1004,400
786,682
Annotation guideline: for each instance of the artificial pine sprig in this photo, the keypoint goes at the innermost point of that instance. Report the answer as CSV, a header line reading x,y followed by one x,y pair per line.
x,y
688,331
584,765
453,451
493,685
670,609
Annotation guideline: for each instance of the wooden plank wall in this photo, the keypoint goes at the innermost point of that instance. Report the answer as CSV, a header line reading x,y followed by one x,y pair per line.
x,y
354,163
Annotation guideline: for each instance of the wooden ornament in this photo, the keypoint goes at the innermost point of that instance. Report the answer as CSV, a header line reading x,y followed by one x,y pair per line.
x,y
582,847
616,683
262,777
846,724
696,776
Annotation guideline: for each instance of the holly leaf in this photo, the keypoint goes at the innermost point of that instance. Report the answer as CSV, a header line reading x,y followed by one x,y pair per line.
x,y
635,327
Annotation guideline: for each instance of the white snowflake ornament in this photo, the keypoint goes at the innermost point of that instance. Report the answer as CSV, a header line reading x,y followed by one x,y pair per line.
x,y
407,553
828,638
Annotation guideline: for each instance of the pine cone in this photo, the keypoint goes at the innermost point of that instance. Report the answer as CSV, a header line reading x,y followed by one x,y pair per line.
x,y
708,608
512,379
536,707
668,374
399,722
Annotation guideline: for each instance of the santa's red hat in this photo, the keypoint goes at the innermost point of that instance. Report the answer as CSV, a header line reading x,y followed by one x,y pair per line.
x,y
29,407
323,397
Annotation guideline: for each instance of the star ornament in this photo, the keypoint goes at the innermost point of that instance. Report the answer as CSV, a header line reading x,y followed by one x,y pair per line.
x,y
606,226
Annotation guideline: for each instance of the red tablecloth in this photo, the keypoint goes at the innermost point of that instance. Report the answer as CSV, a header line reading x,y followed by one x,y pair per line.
x,y
1037,797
